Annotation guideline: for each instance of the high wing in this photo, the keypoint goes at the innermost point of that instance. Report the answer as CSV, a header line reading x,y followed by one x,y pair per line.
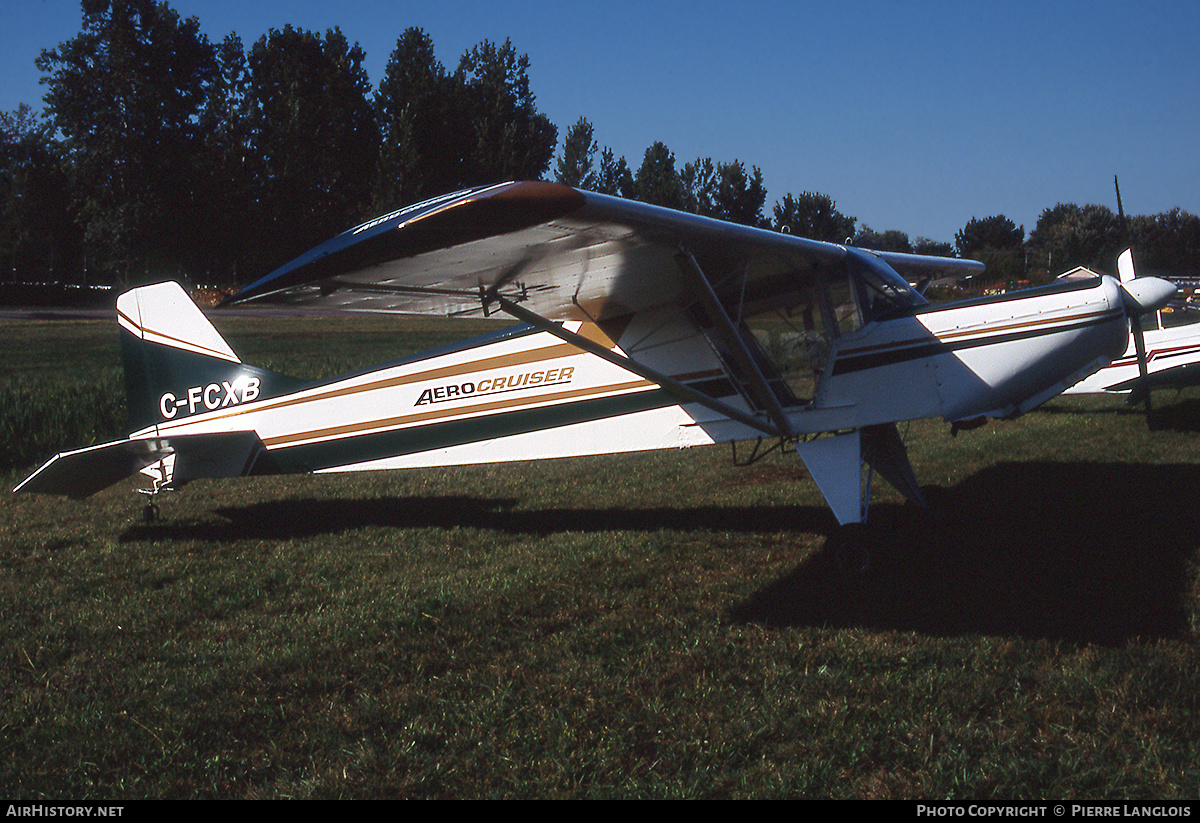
x,y
561,253
643,328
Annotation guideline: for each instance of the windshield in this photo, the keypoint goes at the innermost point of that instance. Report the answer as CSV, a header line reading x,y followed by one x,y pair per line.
x,y
881,291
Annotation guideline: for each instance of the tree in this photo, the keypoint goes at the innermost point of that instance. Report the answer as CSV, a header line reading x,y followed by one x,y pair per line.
x,y
924,245
890,240
813,215
511,139
1070,235
614,178
1166,241
657,182
226,241
996,233
39,239
699,181
724,191
996,242
126,94
740,196
423,145
575,167
314,137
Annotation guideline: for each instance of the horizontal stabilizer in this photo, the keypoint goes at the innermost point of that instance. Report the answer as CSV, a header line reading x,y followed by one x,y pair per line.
x,y
83,472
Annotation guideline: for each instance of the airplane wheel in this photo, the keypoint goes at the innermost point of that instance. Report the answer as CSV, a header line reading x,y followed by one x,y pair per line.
x,y
851,551
150,513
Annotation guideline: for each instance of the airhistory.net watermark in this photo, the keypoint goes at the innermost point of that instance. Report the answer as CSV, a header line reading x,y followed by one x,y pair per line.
x,y
44,810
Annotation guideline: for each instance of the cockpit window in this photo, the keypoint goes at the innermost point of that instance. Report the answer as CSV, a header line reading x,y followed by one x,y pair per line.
x,y
795,330
881,291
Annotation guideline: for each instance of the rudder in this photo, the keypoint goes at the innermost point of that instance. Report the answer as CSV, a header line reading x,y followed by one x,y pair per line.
x,y
177,364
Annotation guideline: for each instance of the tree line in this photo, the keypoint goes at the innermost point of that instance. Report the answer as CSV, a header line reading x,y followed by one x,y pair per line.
x,y
160,153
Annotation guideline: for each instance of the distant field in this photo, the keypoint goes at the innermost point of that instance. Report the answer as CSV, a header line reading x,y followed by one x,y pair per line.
x,y
638,626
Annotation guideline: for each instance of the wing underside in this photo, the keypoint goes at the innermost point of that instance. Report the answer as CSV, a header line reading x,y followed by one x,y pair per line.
x,y
561,253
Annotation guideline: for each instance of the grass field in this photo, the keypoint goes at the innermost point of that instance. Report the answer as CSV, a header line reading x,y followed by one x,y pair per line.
x,y
638,626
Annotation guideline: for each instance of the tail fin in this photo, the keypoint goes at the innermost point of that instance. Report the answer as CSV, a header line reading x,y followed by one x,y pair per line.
x,y
177,364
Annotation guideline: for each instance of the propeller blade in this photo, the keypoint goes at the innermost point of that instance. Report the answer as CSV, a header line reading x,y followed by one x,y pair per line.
x,y
1141,295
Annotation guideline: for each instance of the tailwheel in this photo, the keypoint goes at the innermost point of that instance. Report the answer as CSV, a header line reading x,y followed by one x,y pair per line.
x,y
150,512
160,475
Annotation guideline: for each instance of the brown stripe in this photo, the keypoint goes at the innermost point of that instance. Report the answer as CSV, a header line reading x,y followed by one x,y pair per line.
x,y
987,330
517,359
434,415
180,343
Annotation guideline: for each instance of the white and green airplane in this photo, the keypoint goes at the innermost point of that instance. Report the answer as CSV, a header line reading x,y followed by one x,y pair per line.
x,y
641,328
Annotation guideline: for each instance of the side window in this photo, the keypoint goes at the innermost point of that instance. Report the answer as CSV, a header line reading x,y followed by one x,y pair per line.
x,y
844,306
797,336
794,328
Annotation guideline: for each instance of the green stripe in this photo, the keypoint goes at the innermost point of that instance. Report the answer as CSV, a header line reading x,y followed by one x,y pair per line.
x,y
397,442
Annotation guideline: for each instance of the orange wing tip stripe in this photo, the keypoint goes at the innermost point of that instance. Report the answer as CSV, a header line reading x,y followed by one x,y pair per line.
x,y
167,340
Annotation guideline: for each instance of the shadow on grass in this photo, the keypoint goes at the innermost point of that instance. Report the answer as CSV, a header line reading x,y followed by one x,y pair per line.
x,y
301,518
1169,412
1083,552
1087,552
1181,416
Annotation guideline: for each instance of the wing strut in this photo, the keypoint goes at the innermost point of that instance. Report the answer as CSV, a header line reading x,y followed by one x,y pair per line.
x,y
670,385
730,337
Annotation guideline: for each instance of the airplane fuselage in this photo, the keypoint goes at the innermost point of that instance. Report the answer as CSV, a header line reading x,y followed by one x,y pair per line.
x,y
526,394
995,357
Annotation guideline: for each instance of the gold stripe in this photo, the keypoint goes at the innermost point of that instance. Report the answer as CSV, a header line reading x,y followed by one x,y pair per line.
x,y
334,432
985,331
496,362
989,330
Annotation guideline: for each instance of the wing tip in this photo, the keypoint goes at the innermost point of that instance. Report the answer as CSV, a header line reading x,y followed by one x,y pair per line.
x,y
471,213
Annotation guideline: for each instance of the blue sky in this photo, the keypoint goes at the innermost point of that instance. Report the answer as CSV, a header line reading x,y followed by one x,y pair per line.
x,y
914,116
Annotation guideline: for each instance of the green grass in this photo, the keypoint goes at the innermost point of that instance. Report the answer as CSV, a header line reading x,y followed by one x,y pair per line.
x,y
636,626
